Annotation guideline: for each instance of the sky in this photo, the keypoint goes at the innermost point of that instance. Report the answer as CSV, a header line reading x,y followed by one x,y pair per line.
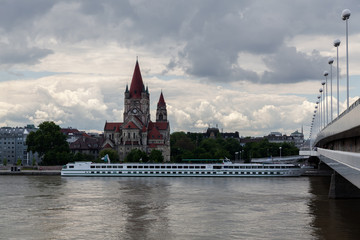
x,y
252,66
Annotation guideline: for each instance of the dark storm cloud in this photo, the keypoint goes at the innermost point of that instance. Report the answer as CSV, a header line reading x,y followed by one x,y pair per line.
x,y
20,13
10,55
290,66
212,33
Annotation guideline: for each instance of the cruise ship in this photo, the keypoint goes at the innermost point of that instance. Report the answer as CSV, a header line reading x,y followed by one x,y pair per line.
x,y
224,169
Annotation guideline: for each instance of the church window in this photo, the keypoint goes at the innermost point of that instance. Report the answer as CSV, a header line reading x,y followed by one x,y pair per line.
x,y
128,135
134,135
160,117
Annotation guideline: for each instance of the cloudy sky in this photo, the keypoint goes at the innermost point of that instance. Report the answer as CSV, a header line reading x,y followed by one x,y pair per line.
x,y
243,65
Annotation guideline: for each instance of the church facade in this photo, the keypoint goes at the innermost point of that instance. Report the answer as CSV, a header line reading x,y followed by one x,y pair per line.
x,y
137,131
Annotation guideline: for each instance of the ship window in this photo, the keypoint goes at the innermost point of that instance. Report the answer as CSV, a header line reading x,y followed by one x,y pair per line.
x,y
108,166
162,166
202,166
98,172
180,167
71,166
92,166
157,166
217,167
97,166
236,167
151,166
134,166
174,167
92,171
129,166
151,172
191,166
103,166
119,166
115,166
197,166
168,166
146,166
186,167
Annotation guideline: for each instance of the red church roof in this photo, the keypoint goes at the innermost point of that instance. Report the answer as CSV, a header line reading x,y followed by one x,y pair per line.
x,y
154,134
161,101
158,125
131,125
137,84
111,126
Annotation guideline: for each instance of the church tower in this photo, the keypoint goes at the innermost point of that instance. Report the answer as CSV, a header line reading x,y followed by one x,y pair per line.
x,y
161,113
137,99
137,131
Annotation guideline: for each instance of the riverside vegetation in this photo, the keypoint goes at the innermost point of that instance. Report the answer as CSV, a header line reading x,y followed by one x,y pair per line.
x,y
52,147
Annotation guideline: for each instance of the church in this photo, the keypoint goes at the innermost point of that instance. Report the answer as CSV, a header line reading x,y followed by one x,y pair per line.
x,y
137,131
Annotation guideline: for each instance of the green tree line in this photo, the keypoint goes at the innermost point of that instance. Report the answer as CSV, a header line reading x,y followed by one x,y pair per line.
x,y
195,146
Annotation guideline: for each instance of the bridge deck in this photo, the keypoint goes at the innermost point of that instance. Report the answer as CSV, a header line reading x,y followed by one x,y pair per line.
x,y
346,164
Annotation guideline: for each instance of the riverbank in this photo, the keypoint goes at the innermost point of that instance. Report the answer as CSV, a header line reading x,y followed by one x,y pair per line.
x,y
37,170
30,172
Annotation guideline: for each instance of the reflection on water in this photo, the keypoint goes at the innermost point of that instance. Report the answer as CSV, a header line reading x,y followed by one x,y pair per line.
x,y
52,207
333,219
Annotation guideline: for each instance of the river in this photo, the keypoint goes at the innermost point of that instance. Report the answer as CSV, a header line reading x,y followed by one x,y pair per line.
x,y
54,207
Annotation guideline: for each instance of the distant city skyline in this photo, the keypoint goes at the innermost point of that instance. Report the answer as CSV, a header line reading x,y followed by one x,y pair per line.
x,y
249,66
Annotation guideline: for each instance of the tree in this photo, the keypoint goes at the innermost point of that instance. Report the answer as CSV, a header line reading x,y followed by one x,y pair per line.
x,y
136,155
113,155
18,162
156,156
50,144
78,157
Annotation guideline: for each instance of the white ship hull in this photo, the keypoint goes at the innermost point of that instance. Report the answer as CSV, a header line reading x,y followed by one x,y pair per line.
x,y
181,170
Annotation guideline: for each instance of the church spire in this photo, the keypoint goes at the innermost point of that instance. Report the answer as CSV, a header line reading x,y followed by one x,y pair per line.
x,y
161,113
137,85
161,102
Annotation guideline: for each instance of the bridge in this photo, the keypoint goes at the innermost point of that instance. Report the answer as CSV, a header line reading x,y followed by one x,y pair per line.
x,y
337,145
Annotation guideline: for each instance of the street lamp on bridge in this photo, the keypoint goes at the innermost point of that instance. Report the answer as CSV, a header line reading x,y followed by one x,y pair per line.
x,y
322,104
337,44
345,16
331,61
326,97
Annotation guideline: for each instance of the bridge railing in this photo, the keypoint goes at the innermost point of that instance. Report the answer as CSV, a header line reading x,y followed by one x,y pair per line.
x,y
344,122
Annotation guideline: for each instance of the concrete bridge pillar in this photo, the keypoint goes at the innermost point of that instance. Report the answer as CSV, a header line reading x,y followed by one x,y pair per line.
x,y
342,188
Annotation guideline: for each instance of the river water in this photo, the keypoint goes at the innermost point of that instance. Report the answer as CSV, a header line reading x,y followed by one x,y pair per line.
x,y
54,207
